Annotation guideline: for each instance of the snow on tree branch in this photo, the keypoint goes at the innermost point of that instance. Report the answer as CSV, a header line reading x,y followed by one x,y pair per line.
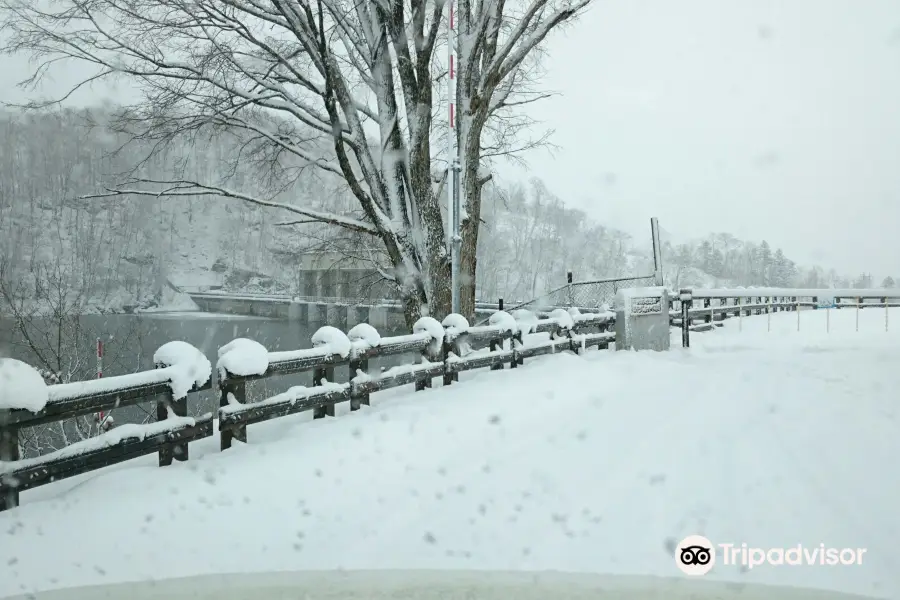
x,y
193,188
343,88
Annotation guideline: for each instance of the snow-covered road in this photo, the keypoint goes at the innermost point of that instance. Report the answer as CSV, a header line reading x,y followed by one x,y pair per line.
x,y
594,464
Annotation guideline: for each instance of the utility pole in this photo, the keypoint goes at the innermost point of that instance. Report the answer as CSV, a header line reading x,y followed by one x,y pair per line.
x,y
454,241
657,252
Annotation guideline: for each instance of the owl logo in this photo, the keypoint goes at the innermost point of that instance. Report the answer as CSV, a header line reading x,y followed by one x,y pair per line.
x,y
695,555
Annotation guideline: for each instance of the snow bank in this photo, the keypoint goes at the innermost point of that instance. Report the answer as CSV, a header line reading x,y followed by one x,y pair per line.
x,y
451,584
527,321
364,336
455,324
475,476
172,301
242,356
185,366
332,339
563,318
21,386
504,321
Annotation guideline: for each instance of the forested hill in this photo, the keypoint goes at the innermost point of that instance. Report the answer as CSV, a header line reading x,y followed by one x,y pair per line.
x,y
118,251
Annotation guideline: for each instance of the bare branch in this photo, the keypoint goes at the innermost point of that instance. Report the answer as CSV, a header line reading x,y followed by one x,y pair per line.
x,y
193,188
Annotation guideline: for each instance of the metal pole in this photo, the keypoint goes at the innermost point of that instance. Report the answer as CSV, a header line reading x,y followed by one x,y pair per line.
x,y
453,241
101,417
686,298
657,251
99,358
456,244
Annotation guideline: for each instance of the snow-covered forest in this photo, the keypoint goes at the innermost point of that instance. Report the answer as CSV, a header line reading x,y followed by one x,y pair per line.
x,y
121,251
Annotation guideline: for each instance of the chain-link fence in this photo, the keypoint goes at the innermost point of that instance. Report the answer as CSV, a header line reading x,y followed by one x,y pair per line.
x,y
590,295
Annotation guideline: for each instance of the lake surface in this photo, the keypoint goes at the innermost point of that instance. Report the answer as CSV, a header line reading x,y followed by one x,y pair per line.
x,y
131,340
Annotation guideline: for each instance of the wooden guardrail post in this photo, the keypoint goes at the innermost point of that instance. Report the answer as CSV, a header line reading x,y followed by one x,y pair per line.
x,y
493,346
166,452
429,354
166,402
237,389
179,450
357,364
447,348
320,375
707,302
686,301
516,360
9,451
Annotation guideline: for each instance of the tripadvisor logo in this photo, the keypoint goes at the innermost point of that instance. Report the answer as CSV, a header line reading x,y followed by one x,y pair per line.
x,y
696,555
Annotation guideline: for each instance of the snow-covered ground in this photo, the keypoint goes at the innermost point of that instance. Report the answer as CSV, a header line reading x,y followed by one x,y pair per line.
x,y
592,464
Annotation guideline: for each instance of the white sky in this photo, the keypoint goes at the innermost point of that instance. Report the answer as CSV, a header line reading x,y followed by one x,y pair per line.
x,y
767,119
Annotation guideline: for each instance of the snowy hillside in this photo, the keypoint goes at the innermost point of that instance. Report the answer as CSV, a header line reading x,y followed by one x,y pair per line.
x,y
123,251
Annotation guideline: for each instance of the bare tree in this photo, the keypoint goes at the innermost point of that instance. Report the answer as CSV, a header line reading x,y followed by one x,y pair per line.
x,y
345,88
46,307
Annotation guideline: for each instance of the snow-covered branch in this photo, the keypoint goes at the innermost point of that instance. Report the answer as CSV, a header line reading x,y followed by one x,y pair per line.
x,y
193,188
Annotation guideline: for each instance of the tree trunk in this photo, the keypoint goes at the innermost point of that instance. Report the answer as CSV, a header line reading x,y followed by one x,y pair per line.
x,y
468,263
471,186
413,305
439,301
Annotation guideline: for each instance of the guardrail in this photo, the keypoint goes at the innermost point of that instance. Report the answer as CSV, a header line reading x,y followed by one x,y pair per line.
x,y
441,350
286,298
758,301
181,370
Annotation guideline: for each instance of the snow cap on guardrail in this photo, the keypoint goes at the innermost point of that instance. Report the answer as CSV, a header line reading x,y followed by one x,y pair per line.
x,y
21,386
185,365
455,324
433,328
242,356
563,318
503,321
364,335
526,320
332,339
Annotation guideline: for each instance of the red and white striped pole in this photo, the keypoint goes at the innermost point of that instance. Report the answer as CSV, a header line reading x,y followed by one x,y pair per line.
x,y
453,166
100,415
99,358
451,116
